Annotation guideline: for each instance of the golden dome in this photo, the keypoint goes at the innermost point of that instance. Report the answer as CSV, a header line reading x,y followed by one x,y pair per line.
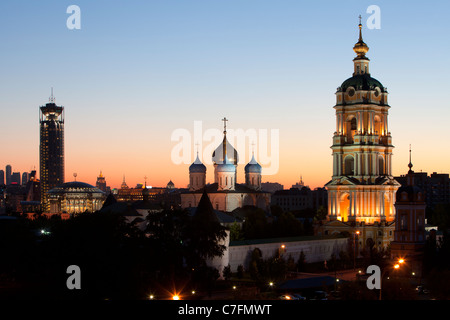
x,y
360,47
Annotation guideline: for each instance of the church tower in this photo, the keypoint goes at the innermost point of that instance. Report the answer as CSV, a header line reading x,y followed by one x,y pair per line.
x,y
362,190
197,175
224,152
253,174
409,237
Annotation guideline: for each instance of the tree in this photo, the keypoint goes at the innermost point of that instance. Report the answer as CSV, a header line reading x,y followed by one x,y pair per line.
x,y
255,263
286,225
255,225
301,263
236,233
227,272
240,271
321,214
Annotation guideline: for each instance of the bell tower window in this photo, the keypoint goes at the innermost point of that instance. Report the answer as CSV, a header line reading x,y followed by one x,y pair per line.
x,y
349,164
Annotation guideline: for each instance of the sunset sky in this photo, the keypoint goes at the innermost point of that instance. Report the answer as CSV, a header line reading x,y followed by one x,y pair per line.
x,y
138,71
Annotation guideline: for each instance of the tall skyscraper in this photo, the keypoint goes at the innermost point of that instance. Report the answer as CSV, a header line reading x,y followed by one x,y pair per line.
x,y
2,177
8,174
15,178
361,194
51,149
25,178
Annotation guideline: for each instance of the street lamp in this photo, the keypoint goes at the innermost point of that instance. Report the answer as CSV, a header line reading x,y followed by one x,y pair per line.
x,y
354,249
395,266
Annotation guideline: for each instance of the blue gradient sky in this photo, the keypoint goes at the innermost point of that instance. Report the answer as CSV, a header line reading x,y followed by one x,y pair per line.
x,y
138,70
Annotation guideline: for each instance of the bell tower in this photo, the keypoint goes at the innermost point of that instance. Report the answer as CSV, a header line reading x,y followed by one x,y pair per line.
x,y
362,189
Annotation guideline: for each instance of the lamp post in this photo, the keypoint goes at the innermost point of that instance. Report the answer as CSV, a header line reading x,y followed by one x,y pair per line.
x,y
395,266
354,249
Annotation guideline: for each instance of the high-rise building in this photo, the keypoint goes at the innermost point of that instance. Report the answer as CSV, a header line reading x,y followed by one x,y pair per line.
x,y
51,151
15,178
25,177
2,177
8,171
361,194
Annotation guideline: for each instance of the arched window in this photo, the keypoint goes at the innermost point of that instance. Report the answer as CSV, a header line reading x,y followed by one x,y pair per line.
x,y
377,125
349,164
381,170
351,126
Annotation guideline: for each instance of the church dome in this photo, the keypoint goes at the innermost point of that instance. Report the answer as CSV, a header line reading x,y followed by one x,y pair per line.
x,y
225,148
362,82
226,166
197,166
253,166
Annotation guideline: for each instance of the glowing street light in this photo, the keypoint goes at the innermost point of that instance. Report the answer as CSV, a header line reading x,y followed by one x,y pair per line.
x,y
176,297
396,266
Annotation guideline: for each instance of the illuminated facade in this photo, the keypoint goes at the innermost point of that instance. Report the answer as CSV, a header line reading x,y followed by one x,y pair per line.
x,y
75,197
51,149
361,194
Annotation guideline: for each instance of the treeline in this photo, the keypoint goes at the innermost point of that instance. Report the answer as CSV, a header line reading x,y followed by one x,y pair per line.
x,y
257,224
117,260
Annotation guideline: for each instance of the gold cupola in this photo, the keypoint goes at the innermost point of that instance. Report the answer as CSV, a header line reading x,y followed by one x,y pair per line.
x,y
360,47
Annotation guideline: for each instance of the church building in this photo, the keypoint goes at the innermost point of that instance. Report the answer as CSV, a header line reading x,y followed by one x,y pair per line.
x,y
410,236
361,193
225,193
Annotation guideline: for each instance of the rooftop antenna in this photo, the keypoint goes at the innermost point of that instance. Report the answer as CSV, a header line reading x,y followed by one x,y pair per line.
x,y
52,98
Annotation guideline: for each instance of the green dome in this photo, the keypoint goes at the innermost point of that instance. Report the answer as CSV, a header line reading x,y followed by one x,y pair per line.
x,y
362,82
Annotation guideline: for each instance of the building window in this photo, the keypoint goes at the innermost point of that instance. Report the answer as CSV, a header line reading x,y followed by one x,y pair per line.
x,y
349,166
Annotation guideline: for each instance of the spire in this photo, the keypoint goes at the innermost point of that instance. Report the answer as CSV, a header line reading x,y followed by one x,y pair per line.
x,y
360,47
224,144
410,165
52,98
410,175
360,27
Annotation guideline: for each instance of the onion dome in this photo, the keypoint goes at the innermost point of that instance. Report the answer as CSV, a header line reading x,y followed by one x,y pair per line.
x,y
226,166
360,47
253,166
197,166
225,148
